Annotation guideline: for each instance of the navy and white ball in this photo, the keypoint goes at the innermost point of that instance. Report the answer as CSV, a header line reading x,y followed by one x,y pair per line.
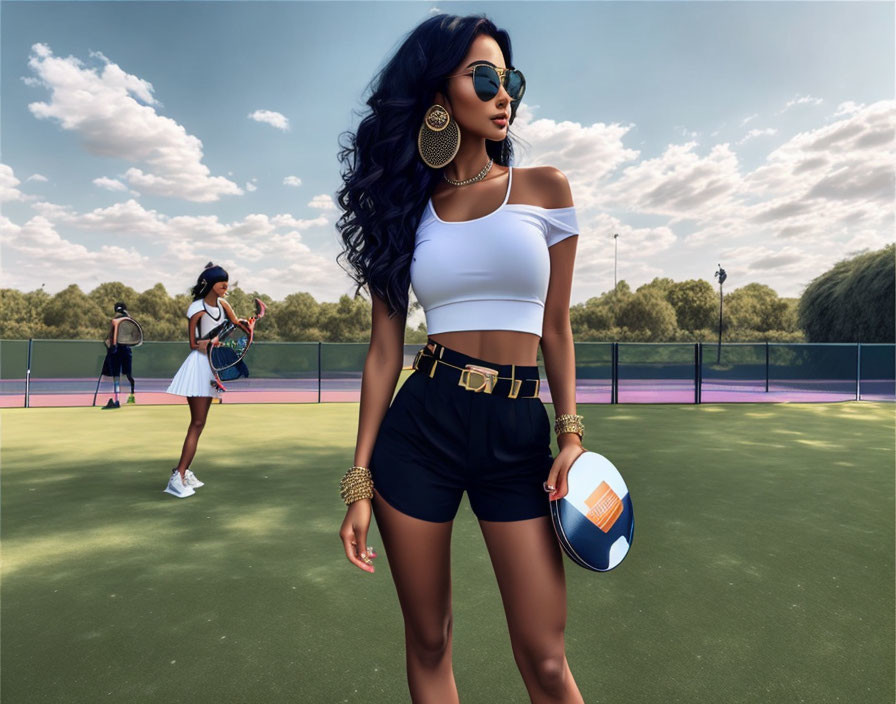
x,y
594,522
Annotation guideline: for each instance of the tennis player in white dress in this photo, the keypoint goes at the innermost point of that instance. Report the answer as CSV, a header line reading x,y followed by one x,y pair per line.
x,y
194,379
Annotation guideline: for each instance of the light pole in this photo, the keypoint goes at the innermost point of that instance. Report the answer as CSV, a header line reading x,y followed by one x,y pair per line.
x,y
721,276
615,251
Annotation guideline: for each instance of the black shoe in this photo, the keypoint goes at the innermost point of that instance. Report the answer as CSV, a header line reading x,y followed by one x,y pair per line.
x,y
111,404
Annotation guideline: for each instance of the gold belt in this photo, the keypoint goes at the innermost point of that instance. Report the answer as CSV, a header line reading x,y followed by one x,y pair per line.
x,y
476,378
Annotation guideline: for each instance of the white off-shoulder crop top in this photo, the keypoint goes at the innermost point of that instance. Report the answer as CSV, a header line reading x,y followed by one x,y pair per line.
x,y
489,273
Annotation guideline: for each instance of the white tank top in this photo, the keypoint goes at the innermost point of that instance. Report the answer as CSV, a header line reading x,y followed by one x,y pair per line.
x,y
489,273
212,318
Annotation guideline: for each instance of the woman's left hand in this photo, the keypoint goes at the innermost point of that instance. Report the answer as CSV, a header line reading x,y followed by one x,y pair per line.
x,y
570,448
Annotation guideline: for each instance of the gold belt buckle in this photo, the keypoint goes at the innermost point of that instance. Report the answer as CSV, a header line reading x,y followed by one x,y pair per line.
x,y
475,378
416,364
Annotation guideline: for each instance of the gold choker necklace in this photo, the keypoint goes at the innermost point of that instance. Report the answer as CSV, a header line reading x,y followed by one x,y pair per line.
x,y
474,179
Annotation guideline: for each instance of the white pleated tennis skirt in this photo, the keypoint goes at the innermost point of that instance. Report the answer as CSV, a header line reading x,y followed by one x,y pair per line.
x,y
194,378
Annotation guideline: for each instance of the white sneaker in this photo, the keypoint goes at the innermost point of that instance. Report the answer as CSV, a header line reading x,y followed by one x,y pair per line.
x,y
177,488
192,481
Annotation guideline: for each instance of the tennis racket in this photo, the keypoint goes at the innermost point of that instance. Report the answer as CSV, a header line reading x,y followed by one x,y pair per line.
x,y
130,333
226,356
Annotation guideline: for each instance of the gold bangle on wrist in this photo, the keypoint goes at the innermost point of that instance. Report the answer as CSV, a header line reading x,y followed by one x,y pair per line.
x,y
356,484
569,423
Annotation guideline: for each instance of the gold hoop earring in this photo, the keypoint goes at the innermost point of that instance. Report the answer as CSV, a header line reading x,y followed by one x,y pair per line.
x,y
439,138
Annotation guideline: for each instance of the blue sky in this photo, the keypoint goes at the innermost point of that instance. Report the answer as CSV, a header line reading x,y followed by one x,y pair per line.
x,y
758,135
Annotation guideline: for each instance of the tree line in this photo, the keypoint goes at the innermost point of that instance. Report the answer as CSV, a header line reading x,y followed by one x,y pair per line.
x,y
852,302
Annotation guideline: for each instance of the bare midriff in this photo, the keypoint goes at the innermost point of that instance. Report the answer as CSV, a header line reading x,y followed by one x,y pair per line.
x,y
498,346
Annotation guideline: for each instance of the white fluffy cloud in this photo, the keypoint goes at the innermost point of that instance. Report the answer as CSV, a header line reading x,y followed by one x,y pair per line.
x,y
587,154
752,134
114,113
322,202
274,119
267,253
9,185
680,183
802,100
39,253
820,195
37,177
110,184
294,181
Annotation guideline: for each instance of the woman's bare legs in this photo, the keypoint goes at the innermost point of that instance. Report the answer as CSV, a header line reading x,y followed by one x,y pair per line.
x,y
199,406
529,568
419,558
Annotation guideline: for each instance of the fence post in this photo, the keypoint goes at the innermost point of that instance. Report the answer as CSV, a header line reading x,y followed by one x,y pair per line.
x,y
28,375
319,343
696,372
858,371
766,366
701,371
614,373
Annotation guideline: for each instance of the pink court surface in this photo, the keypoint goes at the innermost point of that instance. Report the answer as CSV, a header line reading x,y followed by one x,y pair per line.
x,y
79,392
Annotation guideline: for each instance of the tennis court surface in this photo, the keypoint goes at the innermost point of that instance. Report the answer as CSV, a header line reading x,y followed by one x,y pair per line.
x,y
762,568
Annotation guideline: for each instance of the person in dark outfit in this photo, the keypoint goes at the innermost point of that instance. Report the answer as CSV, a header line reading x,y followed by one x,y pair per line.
x,y
118,358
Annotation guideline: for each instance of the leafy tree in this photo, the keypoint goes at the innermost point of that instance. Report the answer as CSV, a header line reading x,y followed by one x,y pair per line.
x,y
650,314
14,312
348,320
695,303
660,284
594,314
295,316
22,314
108,294
756,307
853,301
158,314
74,315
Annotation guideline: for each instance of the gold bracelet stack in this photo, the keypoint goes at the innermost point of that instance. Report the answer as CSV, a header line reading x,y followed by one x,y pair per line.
x,y
569,423
357,484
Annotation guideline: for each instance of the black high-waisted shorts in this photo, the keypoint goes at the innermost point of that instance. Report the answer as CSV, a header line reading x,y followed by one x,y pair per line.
x,y
438,439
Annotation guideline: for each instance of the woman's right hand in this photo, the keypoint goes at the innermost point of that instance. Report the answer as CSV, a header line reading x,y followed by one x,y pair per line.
x,y
354,534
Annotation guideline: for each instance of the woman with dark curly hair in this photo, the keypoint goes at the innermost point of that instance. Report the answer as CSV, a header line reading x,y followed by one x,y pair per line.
x,y
195,378
430,199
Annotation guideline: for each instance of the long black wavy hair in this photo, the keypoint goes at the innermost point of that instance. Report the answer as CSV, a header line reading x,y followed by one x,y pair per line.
x,y
385,183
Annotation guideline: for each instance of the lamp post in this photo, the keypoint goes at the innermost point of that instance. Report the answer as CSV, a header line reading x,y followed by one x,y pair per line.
x,y
615,251
721,276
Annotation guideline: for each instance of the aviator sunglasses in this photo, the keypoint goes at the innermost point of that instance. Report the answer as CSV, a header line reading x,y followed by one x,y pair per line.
x,y
487,81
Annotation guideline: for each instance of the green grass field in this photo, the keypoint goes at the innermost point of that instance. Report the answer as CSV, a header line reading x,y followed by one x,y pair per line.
x,y
762,568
